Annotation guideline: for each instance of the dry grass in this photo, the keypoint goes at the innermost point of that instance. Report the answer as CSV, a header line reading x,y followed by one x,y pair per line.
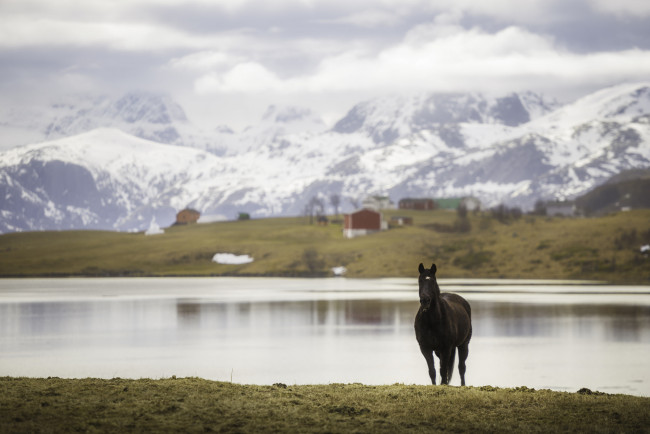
x,y
196,405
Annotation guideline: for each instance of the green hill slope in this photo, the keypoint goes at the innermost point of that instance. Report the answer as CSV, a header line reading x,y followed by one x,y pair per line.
x,y
626,190
604,248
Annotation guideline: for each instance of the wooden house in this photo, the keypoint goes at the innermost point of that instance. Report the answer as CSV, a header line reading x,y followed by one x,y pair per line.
x,y
187,216
363,222
423,204
378,203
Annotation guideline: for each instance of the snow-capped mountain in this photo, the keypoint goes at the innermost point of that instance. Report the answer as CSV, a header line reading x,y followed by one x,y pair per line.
x,y
101,179
150,116
513,149
390,118
276,123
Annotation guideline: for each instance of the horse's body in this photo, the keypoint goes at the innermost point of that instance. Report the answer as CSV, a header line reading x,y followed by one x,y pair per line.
x,y
442,324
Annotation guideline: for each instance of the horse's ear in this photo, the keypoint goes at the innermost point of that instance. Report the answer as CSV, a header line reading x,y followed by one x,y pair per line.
x,y
433,269
421,268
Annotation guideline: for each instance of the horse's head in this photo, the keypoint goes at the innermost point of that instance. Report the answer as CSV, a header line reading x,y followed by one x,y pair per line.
x,y
429,289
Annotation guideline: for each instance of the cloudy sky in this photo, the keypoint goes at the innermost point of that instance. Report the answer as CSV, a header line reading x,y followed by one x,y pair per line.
x,y
226,60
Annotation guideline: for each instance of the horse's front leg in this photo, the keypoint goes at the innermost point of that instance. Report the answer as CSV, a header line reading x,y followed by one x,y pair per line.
x,y
428,356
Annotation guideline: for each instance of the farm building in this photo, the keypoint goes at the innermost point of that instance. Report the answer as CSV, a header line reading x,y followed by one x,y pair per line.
x,y
418,204
187,216
448,202
378,203
363,222
452,203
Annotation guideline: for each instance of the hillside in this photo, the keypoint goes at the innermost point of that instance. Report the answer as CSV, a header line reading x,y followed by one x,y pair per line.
x,y
628,190
604,248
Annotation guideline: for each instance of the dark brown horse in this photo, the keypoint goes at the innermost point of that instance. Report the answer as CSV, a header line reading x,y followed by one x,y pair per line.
x,y
442,324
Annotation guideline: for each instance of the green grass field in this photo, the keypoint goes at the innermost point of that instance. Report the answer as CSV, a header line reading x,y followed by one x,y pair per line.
x,y
196,405
605,248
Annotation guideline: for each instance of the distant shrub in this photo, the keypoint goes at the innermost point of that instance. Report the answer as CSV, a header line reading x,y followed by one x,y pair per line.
x,y
539,208
312,261
626,240
440,227
573,251
505,215
472,259
460,225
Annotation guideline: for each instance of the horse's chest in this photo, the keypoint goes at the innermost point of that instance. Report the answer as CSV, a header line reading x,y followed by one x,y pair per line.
x,y
429,334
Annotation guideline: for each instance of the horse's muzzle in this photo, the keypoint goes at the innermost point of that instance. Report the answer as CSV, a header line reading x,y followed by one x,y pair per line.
x,y
425,303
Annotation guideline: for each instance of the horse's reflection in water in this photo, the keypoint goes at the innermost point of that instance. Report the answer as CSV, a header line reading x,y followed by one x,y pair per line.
x,y
442,324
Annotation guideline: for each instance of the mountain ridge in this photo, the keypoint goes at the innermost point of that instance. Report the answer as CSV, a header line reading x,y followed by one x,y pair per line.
x,y
513,149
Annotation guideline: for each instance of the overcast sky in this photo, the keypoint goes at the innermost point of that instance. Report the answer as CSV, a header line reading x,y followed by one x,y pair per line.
x,y
226,60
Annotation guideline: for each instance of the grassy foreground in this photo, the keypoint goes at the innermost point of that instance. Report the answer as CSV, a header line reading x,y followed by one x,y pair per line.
x,y
604,248
196,405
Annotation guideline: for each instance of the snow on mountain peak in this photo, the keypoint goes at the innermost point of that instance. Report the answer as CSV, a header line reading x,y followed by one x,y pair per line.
x,y
148,115
387,118
99,149
621,101
145,107
287,114
292,119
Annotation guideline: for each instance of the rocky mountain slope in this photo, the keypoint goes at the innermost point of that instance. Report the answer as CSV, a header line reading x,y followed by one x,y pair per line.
x,y
513,149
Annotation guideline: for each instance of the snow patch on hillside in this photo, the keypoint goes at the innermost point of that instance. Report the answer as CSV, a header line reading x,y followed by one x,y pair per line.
x,y
231,259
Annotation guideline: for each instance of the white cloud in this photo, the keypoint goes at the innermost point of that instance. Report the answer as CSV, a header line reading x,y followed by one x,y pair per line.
x,y
369,18
204,61
26,32
427,60
623,7
248,77
299,51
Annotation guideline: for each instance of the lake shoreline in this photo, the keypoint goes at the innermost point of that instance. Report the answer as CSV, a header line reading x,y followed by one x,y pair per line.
x,y
568,281
194,404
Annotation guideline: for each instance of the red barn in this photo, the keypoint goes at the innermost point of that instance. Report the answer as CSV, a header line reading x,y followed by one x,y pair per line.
x,y
187,216
362,222
419,204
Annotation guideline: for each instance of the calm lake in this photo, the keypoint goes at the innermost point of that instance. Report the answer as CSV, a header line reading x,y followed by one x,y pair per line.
x,y
540,334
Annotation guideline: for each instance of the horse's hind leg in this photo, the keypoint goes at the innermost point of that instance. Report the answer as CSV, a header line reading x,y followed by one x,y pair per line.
x,y
428,356
447,358
463,352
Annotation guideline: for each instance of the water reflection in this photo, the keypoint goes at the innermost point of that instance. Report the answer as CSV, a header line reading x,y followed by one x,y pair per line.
x,y
596,322
322,337
491,319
